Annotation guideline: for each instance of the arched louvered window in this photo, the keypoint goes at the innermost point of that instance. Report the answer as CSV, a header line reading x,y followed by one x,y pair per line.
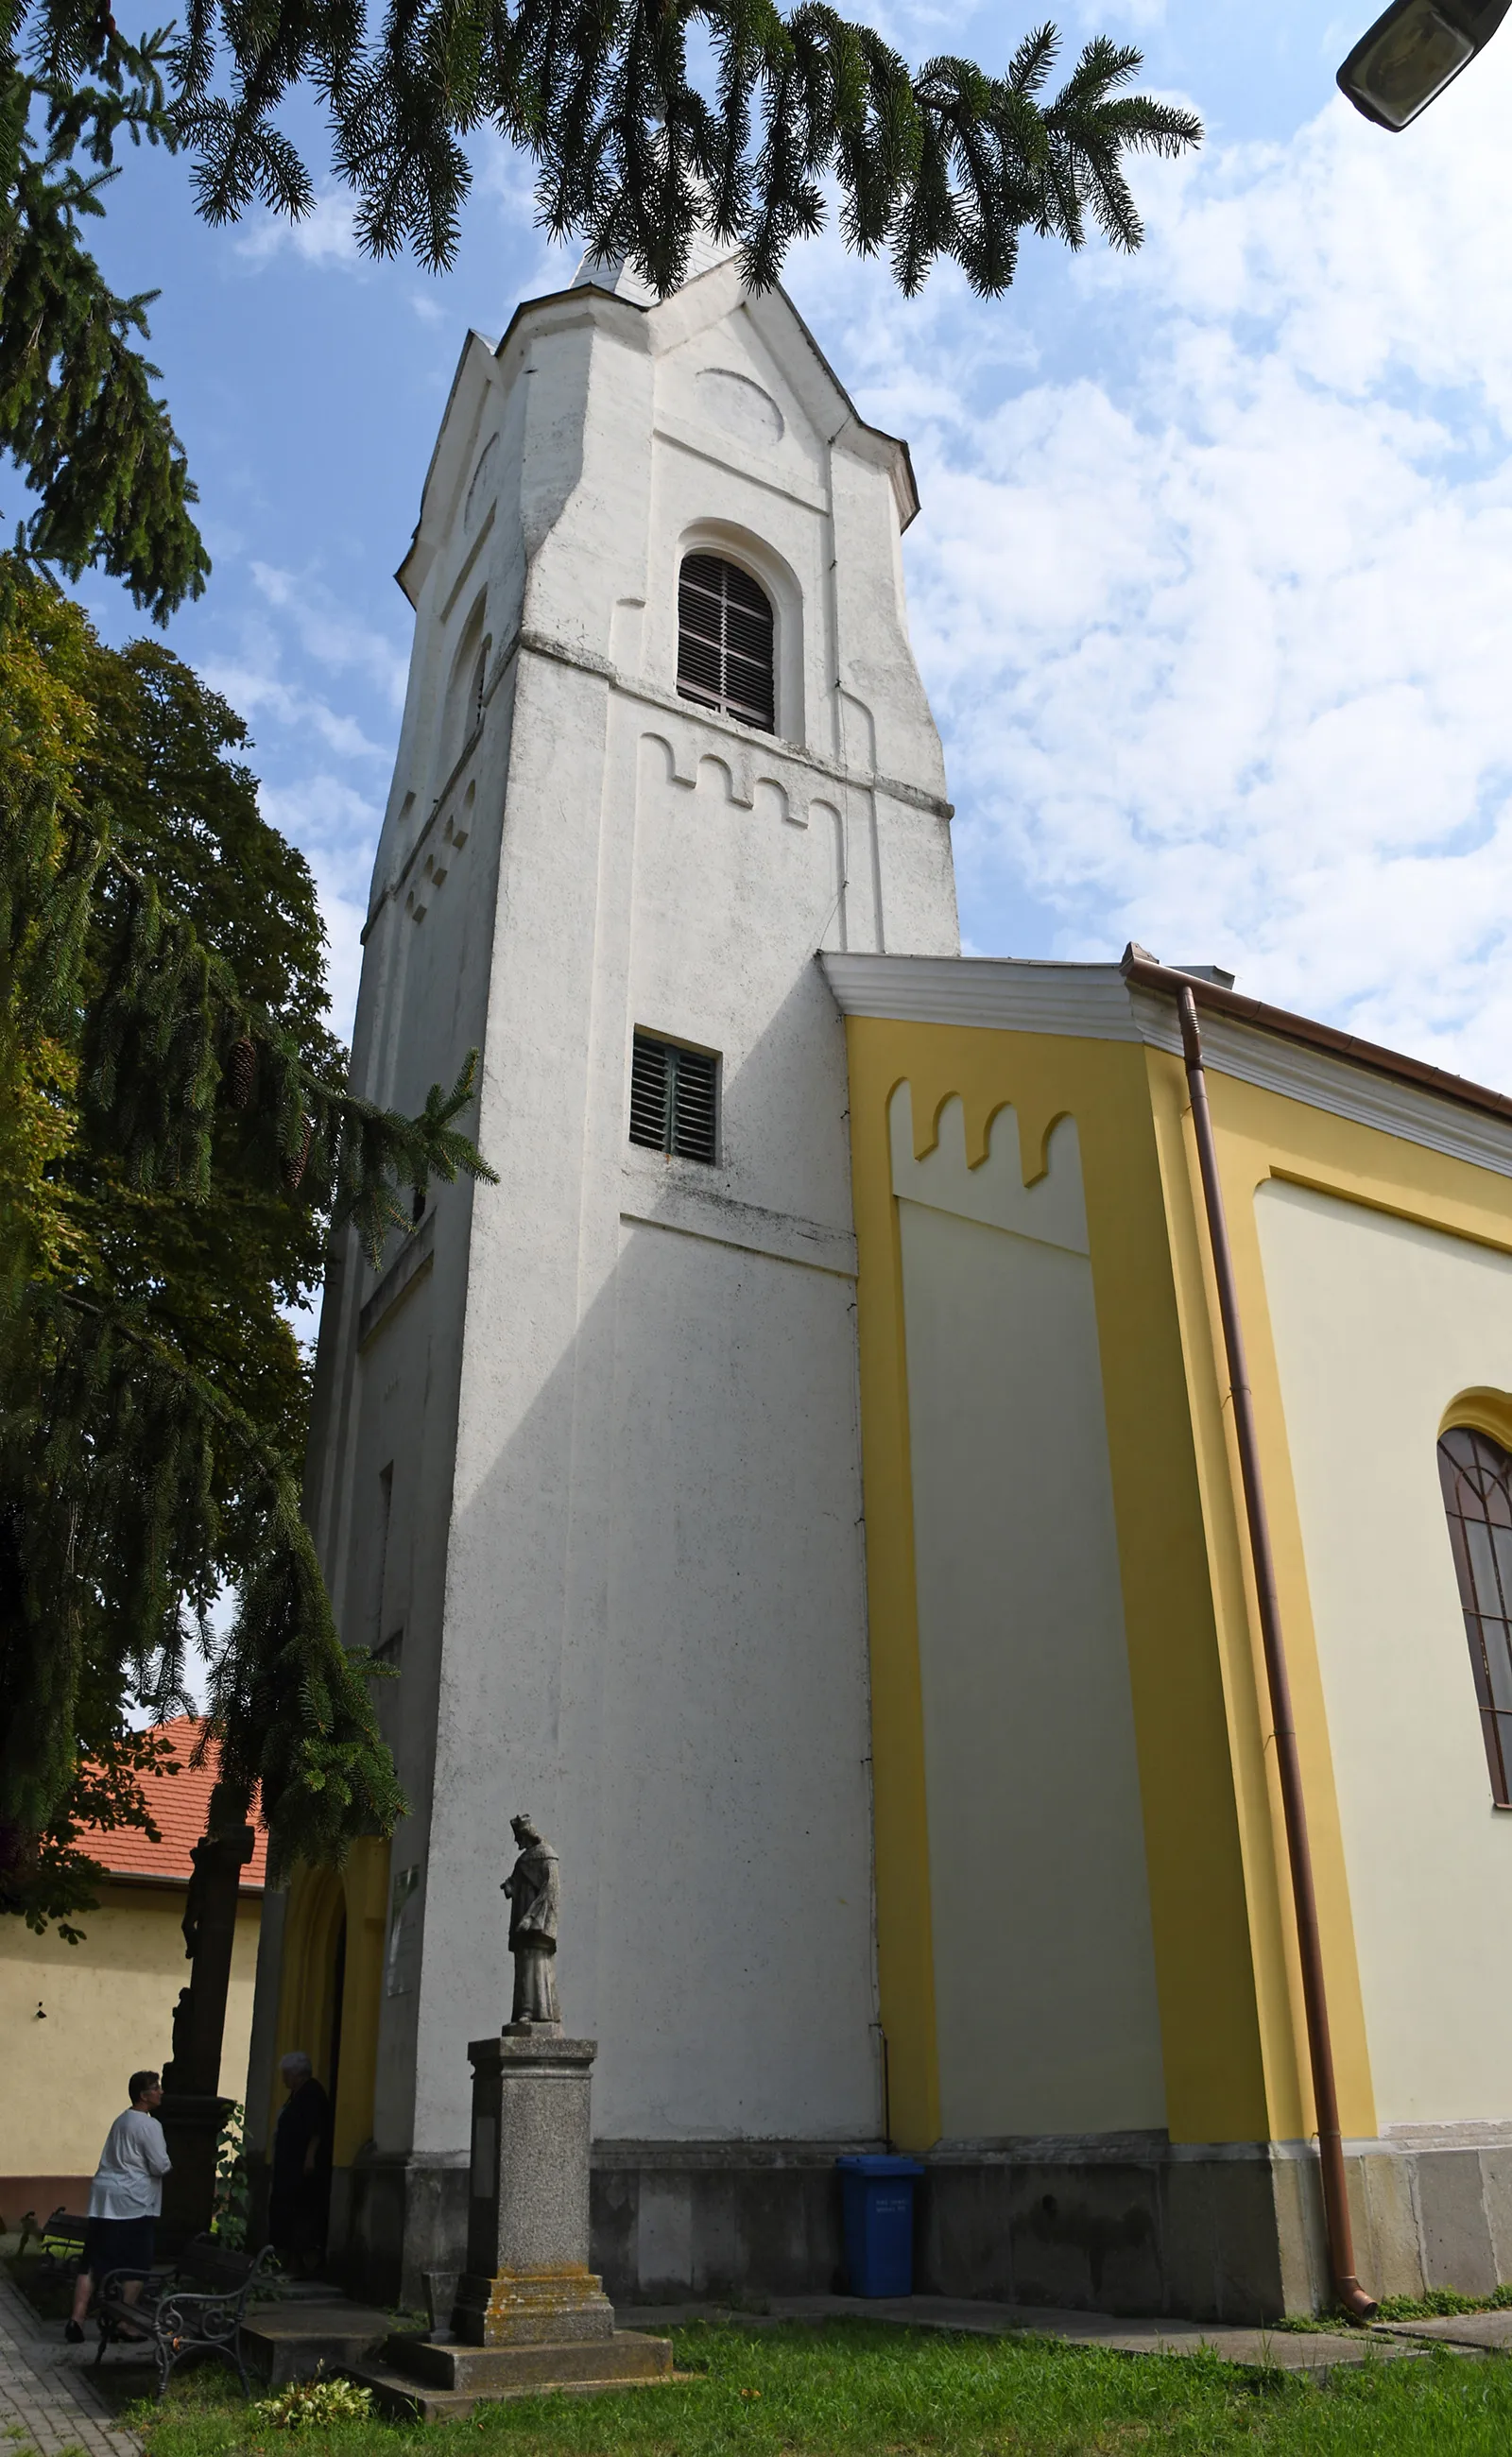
x,y
1475,1473
725,640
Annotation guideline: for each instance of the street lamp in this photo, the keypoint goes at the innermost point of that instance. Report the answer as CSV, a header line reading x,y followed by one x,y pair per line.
x,y
1413,52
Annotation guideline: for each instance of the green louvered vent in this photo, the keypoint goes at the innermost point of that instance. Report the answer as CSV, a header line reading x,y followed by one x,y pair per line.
x,y
674,1099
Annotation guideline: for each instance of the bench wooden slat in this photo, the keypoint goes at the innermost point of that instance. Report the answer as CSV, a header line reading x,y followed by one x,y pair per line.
x,y
196,2307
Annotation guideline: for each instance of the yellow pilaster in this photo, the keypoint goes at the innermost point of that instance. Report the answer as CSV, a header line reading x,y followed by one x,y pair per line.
x,y
366,1885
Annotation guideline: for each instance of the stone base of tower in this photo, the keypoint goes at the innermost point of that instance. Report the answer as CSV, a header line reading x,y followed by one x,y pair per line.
x,y
1133,2223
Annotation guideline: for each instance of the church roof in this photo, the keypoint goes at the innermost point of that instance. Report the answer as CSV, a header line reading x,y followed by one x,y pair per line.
x,y
1098,1001
618,275
178,1802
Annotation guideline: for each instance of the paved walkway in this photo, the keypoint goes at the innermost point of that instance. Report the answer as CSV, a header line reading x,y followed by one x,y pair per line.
x,y
45,2391
1317,2352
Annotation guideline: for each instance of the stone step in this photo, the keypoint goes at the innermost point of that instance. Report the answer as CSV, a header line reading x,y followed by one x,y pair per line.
x,y
448,2381
292,2342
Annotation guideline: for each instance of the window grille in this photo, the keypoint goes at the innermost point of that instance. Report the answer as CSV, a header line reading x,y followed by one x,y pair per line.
x,y
725,641
1475,1473
480,675
674,1099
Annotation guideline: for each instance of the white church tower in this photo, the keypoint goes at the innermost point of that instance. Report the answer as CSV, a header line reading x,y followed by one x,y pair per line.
x,y
587,1467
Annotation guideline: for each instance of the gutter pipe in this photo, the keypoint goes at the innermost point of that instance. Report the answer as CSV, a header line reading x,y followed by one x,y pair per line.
x,y
1314,2000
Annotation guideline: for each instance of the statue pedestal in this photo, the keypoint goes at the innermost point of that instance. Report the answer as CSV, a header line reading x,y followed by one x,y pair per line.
x,y
529,2313
528,2282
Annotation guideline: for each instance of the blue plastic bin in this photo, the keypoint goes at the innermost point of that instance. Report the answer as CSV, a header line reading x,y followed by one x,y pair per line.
x,y
877,2196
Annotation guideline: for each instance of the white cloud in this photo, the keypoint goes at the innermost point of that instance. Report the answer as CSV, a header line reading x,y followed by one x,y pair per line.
x,y
1218,631
256,692
329,634
325,235
336,828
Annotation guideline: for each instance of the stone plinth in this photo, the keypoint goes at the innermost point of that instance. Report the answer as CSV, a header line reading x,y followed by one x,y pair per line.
x,y
528,2282
441,2384
529,2312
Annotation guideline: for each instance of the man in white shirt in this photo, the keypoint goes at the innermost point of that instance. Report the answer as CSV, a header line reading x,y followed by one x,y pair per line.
x,y
125,2199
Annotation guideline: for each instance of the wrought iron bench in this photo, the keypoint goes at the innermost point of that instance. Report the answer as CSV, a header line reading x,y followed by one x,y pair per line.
x,y
60,2242
194,2308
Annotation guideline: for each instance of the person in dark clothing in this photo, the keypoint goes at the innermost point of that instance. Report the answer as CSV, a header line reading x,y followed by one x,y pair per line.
x,y
299,2196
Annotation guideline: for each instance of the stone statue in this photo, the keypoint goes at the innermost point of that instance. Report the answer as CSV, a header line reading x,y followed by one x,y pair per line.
x,y
199,1883
532,1890
183,2027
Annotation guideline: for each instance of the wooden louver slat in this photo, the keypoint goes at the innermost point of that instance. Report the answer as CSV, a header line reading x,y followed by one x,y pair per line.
x,y
725,641
674,1099
694,1105
650,1084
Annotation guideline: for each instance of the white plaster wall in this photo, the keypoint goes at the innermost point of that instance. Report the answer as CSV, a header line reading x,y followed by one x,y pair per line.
x,y
1378,1323
679,1694
735,1822
1045,1982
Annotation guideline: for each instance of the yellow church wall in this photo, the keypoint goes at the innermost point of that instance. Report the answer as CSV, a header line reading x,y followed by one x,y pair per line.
x,y
322,1904
1047,2016
1214,2067
109,2004
1268,1141
1380,1322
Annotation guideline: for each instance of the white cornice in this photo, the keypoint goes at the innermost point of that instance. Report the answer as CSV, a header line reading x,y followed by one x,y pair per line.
x,y
1094,1003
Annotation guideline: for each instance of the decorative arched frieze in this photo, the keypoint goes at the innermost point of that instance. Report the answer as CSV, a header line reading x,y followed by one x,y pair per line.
x,y
996,1190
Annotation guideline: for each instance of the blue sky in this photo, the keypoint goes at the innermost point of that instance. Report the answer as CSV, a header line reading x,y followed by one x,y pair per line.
x,y
1212,585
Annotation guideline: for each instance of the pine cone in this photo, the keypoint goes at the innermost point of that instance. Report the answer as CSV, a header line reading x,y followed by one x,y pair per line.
x,y
241,1071
294,1169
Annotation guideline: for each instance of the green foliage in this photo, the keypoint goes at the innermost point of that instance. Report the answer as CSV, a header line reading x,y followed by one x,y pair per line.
x,y
232,2198
305,2404
77,409
1443,2303
647,119
172,1104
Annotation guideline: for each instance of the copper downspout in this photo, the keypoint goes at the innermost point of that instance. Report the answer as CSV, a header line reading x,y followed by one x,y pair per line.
x,y
1321,2047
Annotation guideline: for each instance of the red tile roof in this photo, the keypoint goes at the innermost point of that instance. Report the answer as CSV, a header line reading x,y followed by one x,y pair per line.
x,y
179,1804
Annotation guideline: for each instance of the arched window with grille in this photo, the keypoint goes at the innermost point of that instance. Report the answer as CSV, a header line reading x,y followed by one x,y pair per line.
x,y
1475,1473
480,675
462,711
726,641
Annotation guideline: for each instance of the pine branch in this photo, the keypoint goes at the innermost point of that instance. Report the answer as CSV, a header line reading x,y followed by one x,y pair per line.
x,y
78,409
289,1706
634,155
158,1062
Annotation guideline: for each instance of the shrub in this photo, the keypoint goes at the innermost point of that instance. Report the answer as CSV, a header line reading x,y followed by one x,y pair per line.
x,y
304,2403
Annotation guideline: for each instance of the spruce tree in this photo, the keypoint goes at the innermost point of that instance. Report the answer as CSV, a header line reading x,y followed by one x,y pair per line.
x,y
175,1141
78,409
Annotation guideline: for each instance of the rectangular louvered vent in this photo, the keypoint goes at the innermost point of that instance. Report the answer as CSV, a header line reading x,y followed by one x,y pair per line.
x,y
674,1099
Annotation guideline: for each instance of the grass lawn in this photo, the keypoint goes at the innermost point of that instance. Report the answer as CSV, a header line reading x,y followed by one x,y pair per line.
x,y
801,2391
